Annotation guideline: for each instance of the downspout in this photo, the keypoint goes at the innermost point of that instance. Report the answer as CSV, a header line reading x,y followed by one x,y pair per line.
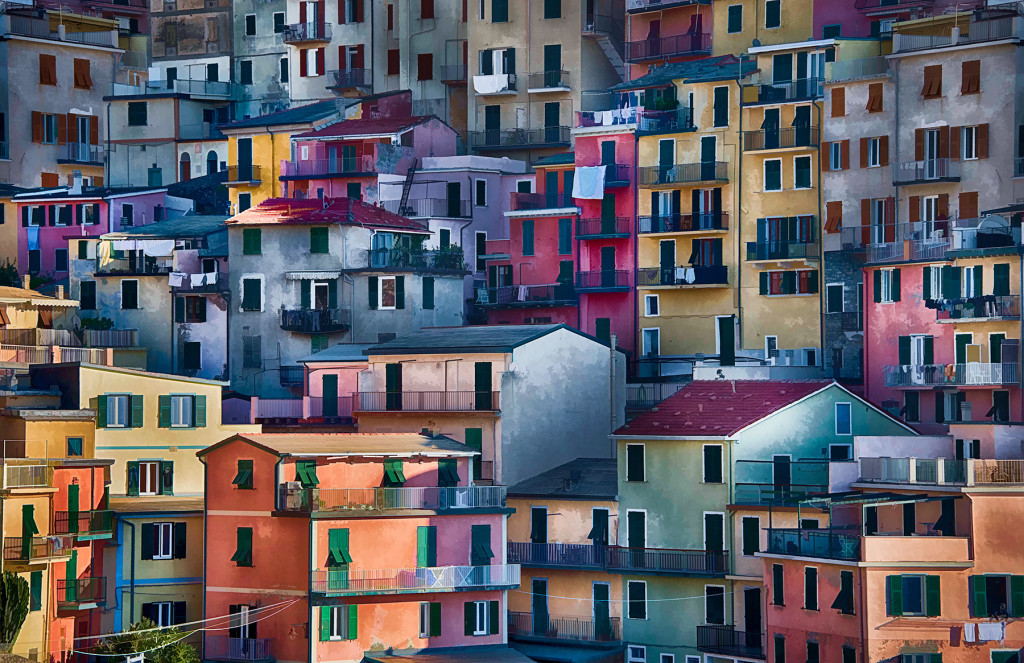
x,y
739,206
309,592
106,157
637,348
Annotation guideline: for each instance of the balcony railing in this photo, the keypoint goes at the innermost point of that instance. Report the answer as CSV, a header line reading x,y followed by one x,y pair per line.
x,y
363,164
527,295
422,580
454,73
974,32
83,523
655,5
29,549
316,321
557,554
298,33
427,401
138,266
1018,166
176,86
860,68
607,118
987,307
780,138
40,29
291,376
726,640
782,250
521,138
74,593
684,173
449,259
783,91
83,153
666,121
36,475
350,78
667,560
682,276
971,374
539,201
359,500
927,170
279,408
526,625
244,174
889,5
548,80
600,228
110,338
913,470
668,47
769,493
425,208
5,150
814,543
225,648
605,279
678,223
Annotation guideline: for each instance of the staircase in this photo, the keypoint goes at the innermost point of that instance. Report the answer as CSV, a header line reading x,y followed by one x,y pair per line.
x,y
608,34
407,186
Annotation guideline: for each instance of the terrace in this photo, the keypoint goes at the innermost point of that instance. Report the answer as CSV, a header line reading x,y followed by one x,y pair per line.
x,y
558,555
926,171
547,200
780,138
341,79
778,92
226,648
447,260
683,173
975,32
338,582
81,593
363,165
682,277
246,175
529,627
941,471
27,473
426,401
195,88
657,48
779,481
41,28
605,280
316,321
548,81
978,374
501,139
667,561
373,501
666,121
84,524
516,296
306,408
782,250
430,208
608,227
307,33
36,549
980,309
683,223
725,640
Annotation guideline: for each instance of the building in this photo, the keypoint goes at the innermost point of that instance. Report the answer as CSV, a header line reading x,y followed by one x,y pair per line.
x,y
439,582
660,32
696,478
9,232
525,109
569,603
494,389
308,274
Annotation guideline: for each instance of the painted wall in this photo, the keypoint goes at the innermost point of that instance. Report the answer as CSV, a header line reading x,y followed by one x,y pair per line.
x,y
268,150
796,25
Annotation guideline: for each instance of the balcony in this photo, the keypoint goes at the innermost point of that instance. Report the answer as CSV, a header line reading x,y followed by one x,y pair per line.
x,y
605,280
975,32
244,175
370,501
780,138
782,250
449,259
555,200
363,165
430,208
684,173
848,321
493,84
925,172
291,376
725,640
712,276
307,33
666,121
603,228
848,70
974,374
454,74
821,543
305,408
346,79
941,471
890,6
683,223
81,153
427,401
136,266
527,626
637,6
979,309
81,593
200,131
422,580
31,474
33,549
316,321
607,118
515,296
110,338
225,648
196,88
501,139
658,48
84,524
548,81
765,482
667,561
39,28
802,89
572,555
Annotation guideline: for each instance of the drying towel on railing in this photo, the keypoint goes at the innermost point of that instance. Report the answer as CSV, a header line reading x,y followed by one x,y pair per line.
x,y
490,84
588,183
175,279
197,280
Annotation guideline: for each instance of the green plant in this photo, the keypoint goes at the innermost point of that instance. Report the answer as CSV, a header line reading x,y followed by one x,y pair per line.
x,y
13,606
166,644
9,274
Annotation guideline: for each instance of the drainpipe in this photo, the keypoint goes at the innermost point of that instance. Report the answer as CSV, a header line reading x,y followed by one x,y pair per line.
x,y
738,212
611,392
637,346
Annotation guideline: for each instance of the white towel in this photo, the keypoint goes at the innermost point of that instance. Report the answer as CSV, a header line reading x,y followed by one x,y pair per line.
x,y
490,84
124,244
175,279
680,274
689,275
607,117
588,183
157,247
197,280
211,278
989,631
32,232
969,632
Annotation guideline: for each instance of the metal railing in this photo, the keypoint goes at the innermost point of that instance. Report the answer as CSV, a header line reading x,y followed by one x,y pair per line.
x,y
972,33
538,201
668,560
449,259
418,208
666,121
889,5
927,170
40,29
860,68
780,137
316,321
426,401
138,266
783,91
81,590
342,407
1018,166
250,173
35,475
511,138
598,227
349,78
110,338
579,629
684,173
390,499
25,354
83,355
990,470
543,80
814,543
83,153
83,522
913,470
279,408
17,548
5,150
783,250
291,376
225,648
986,307
300,32
526,295
644,5
602,279
607,118
177,86
360,164
770,493
556,554
667,47
682,276
135,59
974,373
199,131
725,639
422,580
675,223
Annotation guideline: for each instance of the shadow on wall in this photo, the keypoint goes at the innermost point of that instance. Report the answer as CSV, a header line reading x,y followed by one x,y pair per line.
x,y
207,192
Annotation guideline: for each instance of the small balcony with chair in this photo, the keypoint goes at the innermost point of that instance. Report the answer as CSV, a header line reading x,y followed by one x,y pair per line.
x,y
307,33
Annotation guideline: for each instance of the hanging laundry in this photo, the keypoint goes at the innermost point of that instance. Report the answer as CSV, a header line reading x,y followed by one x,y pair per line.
x,y
175,279
588,183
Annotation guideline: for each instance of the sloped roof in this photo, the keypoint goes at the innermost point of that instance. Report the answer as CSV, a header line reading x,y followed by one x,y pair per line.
x,y
445,340
369,127
8,190
581,478
320,211
297,115
720,408
12,295
87,192
183,226
705,70
337,353
350,444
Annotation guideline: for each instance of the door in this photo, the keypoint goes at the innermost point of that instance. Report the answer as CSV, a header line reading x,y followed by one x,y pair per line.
x,y
608,214
454,199
931,154
607,154
244,146
782,475
602,611
802,126
636,538
552,65
752,617
714,532
551,196
801,74
185,168
565,288
770,126
909,519
666,159
667,261
393,387
482,385
608,267
539,533
726,341
708,149
84,139
348,159
330,395
492,124
552,113
540,606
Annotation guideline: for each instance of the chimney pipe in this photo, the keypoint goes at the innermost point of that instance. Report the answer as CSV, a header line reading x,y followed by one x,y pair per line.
x,y
60,292
26,281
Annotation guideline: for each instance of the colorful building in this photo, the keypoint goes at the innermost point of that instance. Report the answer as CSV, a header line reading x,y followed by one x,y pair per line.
x,y
658,32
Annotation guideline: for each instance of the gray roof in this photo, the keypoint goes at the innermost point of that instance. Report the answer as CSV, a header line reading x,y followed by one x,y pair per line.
x,y
721,68
182,226
297,115
583,478
445,340
339,352
63,192
216,245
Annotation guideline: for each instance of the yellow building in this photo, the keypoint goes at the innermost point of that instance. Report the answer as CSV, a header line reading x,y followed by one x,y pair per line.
x,y
9,217
559,535
737,23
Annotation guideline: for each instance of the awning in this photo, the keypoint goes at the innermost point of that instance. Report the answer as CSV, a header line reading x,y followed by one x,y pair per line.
x,y
310,276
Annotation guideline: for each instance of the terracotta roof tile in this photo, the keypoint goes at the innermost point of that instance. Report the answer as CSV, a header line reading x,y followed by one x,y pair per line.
x,y
317,211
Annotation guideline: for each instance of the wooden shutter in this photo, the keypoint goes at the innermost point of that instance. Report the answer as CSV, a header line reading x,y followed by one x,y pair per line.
x,y
435,620
469,617
932,596
944,142
1016,596
926,282
63,124
954,143
826,160
37,127
864,142
303,72
844,153
351,621
914,209
164,409
833,216
180,537
325,610
494,623
932,81
94,130
372,287
199,413
72,122
883,150
982,141
148,540
320,66
895,285
400,292
942,206
894,593
918,144
166,478
970,77
838,101
1001,283
968,205
136,420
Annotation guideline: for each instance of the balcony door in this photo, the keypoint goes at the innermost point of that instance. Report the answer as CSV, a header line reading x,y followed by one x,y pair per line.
x,y
602,611
321,295
770,126
454,199
330,395
752,617
714,532
782,474
666,158
482,385
931,154
607,266
608,214
244,148
539,588
552,65
492,124
552,115
393,386
667,261
84,138
636,537
708,151
726,340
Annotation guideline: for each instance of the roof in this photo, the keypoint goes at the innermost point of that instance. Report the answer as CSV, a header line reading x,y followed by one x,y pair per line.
x,y
471,654
182,226
582,478
705,70
560,159
129,371
371,127
350,444
339,352
445,340
317,211
13,295
720,408
158,504
87,192
297,115
8,190
216,245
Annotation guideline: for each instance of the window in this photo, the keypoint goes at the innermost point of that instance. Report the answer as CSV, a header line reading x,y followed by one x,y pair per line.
x,y
149,475
667,658
552,8
75,446
565,237
969,143
831,31
635,462
252,244
714,604
252,353
50,132
243,479
636,654
751,531
252,294
480,193
735,20
721,107
799,282
527,237
997,596
60,260
137,114
244,201
834,297
970,77
181,408
844,424
118,408
849,654
712,463
245,72
250,25
778,585
47,69
284,70
772,14
874,153
163,541
887,285
773,174
428,292
840,452
479,618
87,295
499,11
813,652
243,547
802,177
636,598
426,9
810,588
430,620
278,22
844,599
338,622
780,648
159,612
424,66
932,88
389,292
318,242
651,342
651,309
911,410
835,155
875,100
912,595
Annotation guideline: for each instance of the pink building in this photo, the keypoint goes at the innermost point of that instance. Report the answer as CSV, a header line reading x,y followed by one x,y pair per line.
x,y
660,32
389,543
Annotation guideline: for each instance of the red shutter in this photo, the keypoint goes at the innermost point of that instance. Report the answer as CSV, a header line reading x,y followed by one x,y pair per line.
x,y
918,144
72,121
883,150
826,161
865,220
321,17
320,55
358,59
94,129
62,128
426,9
359,12
302,11
889,212
982,141
302,62
37,127
944,142
863,152
838,102
845,154
914,209
942,208
968,205
954,143
391,16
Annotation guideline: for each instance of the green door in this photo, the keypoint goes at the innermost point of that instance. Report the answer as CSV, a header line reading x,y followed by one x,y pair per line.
x,y
73,509
393,386
475,440
636,538
540,606
714,532
602,612
71,578
608,214
330,394
608,279
482,385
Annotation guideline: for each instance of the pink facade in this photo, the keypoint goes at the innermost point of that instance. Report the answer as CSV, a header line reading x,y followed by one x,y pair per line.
x,y
851,19
680,31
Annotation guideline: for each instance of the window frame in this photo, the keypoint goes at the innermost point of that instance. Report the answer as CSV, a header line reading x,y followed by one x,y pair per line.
x,y
648,308
136,307
630,602
703,464
835,155
810,173
380,293
764,173
829,298
184,406
652,331
835,413
643,463
636,654
728,17
920,577
743,547
479,192
246,25
163,532
817,590
772,27
144,466
719,596
481,618
885,278
125,411
874,157
972,131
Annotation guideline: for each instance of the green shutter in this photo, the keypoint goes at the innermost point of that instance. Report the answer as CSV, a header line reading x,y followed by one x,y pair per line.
x,y
751,536
200,411
904,344
494,623
338,548
435,620
332,294
876,280
353,622
980,597
475,440
895,284
778,586
929,350
243,479
1001,279
304,289
305,472
243,547
894,597
926,280
137,416
469,614
1017,596
325,623
428,292
371,283
73,509
979,275
399,292
164,413
812,282
101,411
133,472
179,309
318,240
932,596
426,545
763,283
252,241
36,590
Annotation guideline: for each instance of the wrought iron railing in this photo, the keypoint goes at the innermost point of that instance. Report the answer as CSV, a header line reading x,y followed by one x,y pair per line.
x,y
926,170
315,321
81,590
599,227
83,522
684,173
348,78
226,648
554,627
666,47
556,78
783,250
667,560
422,580
512,138
814,543
449,259
674,223
526,295
783,91
725,639
557,554
302,32
682,276
780,137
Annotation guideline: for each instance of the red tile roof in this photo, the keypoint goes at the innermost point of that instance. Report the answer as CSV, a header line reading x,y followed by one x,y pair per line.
x,y
317,211
370,127
719,408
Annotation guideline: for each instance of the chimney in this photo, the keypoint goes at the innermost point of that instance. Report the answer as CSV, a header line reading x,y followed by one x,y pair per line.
x,y
60,292
425,432
26,281
76,183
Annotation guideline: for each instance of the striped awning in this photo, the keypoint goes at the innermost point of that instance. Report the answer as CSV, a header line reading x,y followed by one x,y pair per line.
x,y
304,276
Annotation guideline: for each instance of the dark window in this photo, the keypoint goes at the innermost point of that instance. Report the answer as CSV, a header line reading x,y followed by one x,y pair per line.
x,y
129,294
252,298
636,597
803,172
245,72
527,237
735,19
714,605
284,70
778,585
499,11
552,8
278,22
564,237
812,652
250,25
137,114
635,468
87,295
810,588
772,14
831,31
713,463
60,260
190,355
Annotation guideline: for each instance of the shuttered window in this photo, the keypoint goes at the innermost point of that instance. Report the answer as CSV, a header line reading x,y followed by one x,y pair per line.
x,y
426,545
318,242
252,241
243,547
778,585
394,475
252,297
844,599
970,77
635,468
447,473
83,77
243,478
913,595
932,87
305,473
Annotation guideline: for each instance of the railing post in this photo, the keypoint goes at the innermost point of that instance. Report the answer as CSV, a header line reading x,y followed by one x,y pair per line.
x,y
970,471
912,470
940,471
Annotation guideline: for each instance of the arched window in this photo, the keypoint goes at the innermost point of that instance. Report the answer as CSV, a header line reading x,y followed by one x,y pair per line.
x,y
185,168
211,162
